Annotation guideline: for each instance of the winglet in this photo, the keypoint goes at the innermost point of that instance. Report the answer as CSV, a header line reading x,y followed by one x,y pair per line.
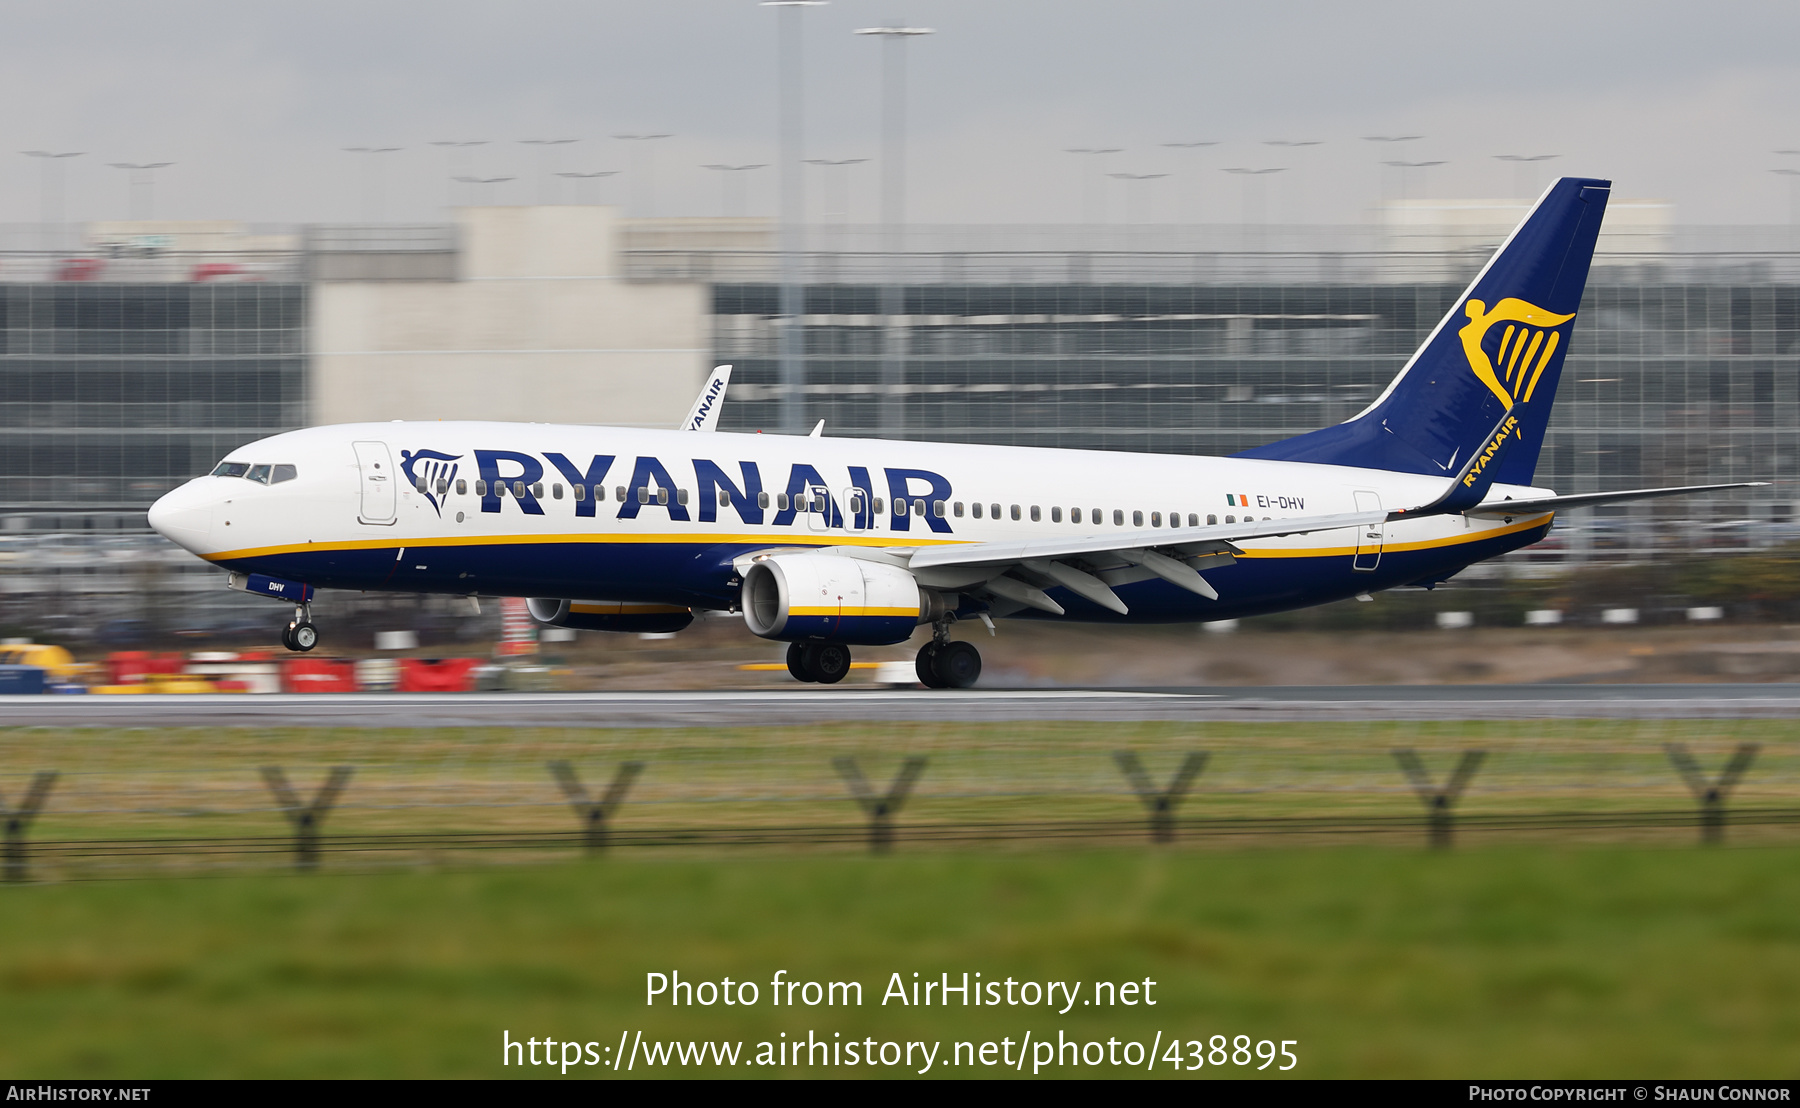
x,y
705,414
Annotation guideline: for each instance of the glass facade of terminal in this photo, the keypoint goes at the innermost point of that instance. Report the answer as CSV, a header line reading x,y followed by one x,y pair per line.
x,y
111,394
1666,383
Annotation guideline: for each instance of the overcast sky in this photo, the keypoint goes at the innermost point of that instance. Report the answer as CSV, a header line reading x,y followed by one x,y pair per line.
x,y
254,103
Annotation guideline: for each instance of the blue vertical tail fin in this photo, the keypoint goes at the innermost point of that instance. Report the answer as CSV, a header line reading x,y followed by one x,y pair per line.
x,y
1493,362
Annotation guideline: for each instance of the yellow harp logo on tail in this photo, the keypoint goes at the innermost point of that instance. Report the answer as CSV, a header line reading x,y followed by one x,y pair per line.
x,y
1526,346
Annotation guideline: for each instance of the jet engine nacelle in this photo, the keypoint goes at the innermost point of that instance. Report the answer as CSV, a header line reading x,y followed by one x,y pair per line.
x,y
830,598
610,615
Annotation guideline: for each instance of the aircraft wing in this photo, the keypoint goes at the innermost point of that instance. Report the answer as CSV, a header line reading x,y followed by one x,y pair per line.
x,y
1507,509
704,416
1017,573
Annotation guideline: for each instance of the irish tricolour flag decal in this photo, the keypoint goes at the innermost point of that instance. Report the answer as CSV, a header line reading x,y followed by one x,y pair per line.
x,y
1239,500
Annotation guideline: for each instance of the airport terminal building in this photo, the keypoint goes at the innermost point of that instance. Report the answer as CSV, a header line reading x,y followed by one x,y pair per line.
x,y
134,355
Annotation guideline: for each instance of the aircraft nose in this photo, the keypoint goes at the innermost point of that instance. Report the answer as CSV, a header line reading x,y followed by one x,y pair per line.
x,y
184,516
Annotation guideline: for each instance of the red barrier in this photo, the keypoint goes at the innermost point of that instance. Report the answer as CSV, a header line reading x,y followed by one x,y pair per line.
x,y
317,675
124,667
438,674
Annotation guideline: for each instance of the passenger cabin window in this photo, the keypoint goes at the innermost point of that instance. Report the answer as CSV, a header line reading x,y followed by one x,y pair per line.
x,y
1137,519
578,493
1036,515
556,491
1074,515
462,486
443,486
878,505
422,485
619,493
724,499
1056,514
1118,517
481,488
959,509
919,508
994,509
975,510
681,496
1015,511
1230,519
1156,519
1212,520
231,469
781,501
762,500
537,489
937,508
662,496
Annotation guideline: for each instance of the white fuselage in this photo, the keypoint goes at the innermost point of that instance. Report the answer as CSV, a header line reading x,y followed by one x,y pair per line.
x,y
649,524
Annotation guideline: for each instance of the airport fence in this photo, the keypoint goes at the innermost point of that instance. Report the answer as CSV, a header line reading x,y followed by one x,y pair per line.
x,y
94,803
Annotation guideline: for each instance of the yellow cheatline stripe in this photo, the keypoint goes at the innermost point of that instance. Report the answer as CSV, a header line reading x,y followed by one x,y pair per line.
x,y
806,538
414,543
781,667
1428,544
909,613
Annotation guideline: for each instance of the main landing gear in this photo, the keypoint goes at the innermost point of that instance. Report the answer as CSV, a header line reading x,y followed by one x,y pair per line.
x,y
300,635
943,664
822,662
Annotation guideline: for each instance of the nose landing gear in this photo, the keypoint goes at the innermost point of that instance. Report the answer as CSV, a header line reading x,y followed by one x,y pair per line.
x,y
300,635
943,664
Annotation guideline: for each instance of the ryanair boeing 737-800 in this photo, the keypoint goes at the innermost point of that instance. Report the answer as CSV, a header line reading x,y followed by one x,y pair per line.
x,y
831,543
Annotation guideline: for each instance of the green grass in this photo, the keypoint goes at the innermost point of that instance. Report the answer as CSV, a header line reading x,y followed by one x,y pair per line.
x,y
1381,962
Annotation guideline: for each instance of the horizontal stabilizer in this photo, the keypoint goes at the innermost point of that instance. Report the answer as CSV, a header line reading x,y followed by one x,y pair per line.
x,y
1507,509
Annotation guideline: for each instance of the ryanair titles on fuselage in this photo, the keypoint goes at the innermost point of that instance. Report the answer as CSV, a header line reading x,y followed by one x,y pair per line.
x,y
513,475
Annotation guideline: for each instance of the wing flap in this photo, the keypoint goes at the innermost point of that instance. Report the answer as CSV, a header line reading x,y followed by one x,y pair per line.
x,y
1188,541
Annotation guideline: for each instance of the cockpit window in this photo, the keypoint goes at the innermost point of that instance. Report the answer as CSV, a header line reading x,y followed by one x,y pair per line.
x,y
259,474
283,473
231,469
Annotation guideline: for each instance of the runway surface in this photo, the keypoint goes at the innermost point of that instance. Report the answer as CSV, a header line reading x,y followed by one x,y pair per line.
x,y
786,707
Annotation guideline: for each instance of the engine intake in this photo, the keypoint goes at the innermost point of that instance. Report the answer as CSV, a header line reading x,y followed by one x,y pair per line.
x,y
830,598
610,615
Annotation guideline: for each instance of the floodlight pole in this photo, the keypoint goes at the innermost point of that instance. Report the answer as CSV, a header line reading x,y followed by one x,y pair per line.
x,y
372,198
791,322
544,174
50,198
141,182
578,178
1197,179
1525,171
643,178
893,213
731,186
451,148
